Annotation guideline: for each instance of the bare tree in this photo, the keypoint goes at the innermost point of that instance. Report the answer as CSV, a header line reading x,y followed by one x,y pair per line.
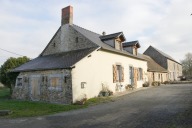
x,y
187,64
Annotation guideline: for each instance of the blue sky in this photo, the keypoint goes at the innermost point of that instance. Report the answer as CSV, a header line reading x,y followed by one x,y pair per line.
x,y
27,26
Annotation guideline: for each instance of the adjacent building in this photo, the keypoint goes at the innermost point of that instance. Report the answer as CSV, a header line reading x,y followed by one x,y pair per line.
x,y
173,67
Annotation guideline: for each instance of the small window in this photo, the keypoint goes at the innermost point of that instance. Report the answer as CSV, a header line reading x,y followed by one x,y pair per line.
x,y
55,84
76,39
19,81
83,85
54,44
54,81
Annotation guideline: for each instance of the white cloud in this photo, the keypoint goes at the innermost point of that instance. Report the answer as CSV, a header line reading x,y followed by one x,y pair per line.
x,y
27,26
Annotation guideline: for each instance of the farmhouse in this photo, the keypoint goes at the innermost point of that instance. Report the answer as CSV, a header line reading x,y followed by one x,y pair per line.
x,y
78,63
173,67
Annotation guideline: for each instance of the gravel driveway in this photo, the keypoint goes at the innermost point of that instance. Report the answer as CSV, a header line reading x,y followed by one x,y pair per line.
x,y
166,106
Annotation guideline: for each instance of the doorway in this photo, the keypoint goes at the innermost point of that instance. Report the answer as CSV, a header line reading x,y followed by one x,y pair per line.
x,y
35,89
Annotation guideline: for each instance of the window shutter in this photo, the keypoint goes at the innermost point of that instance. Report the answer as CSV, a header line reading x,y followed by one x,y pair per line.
x,y
114,73
122,74
138,74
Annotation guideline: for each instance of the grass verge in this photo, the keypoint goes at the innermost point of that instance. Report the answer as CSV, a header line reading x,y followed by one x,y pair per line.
x,y
30,109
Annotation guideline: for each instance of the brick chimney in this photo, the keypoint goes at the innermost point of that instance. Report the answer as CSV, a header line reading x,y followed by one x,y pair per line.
x,y
67,15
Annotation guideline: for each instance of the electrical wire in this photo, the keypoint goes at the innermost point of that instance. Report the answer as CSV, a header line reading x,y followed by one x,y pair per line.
x,y
11,52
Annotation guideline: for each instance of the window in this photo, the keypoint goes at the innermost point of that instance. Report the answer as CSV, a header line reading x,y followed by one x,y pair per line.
x,y
118,73
55,84
118,45
19,81
131,75
54,44
54,81
140,74
76,39
83,85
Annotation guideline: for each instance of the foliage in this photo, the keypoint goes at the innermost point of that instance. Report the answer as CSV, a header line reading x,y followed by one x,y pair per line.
x,y
4,93
187,64
146,84
166,82
6,76
29,108
129,86
97,100
105,91
156,83
82,100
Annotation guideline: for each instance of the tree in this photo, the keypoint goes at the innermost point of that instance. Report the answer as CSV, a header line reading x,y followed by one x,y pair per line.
x,y
7,77
187,64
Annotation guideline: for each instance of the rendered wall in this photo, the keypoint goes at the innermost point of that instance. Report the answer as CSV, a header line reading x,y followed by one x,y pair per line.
x,y
97,70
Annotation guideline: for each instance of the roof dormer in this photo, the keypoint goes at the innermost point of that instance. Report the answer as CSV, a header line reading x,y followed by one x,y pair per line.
x,y
114,40
131,47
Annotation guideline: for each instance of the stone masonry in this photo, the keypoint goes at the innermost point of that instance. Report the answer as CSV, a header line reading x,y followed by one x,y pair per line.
x,y
67,39
53,86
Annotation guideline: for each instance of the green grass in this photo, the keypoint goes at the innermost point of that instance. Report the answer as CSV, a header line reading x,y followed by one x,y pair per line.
x,y
4,93
29,109
98,100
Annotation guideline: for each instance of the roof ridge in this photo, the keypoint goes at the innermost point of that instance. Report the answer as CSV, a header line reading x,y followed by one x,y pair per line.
x,y
87,29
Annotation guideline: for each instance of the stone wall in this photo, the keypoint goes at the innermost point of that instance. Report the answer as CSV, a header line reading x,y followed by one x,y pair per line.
x,y
67,39
53,86
174,69
157,76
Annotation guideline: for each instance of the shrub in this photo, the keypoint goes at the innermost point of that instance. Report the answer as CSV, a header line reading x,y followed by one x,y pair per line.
x,y
146,84
166,82
156,83
82,100
129,86
105,91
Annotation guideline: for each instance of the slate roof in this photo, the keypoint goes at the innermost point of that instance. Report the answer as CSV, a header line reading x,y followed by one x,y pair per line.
x,y
67,59
152,65
164,54
55,61
111,36
95,38
132,43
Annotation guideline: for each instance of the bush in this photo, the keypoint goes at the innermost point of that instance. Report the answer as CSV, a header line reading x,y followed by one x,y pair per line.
x,y
166,82
81,102
146,84
105,91
129,86
156,83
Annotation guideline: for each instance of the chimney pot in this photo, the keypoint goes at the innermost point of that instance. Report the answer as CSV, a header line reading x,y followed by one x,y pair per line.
x,y
103,33
67,15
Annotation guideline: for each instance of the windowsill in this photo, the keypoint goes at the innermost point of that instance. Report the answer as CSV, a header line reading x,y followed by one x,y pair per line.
x,y
55,89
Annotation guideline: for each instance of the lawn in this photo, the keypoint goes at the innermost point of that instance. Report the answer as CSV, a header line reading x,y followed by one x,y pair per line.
x,y
28,108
